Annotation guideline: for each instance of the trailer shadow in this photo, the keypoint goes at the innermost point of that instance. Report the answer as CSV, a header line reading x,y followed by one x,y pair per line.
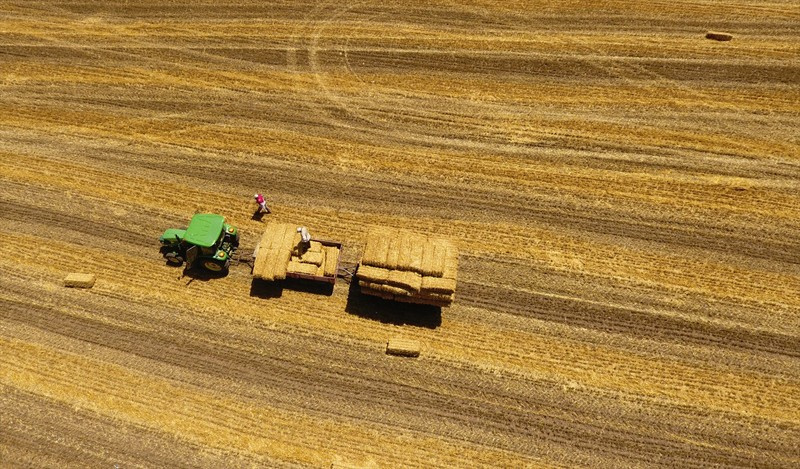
x,y
263,289
308,286
391,312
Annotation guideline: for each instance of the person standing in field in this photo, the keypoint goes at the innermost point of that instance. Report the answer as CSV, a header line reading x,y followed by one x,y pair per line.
x,y
262,204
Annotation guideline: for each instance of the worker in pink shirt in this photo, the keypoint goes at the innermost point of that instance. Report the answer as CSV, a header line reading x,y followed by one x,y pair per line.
x,y
262,204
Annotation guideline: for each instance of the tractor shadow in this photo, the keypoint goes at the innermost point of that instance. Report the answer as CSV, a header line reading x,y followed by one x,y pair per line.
x,y
391,312
198,273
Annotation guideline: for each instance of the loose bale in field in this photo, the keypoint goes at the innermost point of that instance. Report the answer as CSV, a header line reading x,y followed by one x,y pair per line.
x,y
719,36
403,347
76,280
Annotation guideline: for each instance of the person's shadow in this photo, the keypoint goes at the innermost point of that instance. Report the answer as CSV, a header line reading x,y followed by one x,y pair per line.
x,y
391,312
258,215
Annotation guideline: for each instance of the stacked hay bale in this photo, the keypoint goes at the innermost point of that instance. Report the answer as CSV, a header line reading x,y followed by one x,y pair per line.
x,y
279,253
410,267
275,250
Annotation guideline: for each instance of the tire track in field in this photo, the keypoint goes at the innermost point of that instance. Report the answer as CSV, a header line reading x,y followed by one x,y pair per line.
x,y
241,367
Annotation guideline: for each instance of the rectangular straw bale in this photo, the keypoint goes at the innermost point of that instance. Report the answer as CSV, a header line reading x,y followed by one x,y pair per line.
x,y
406,280
77,280
404,243
287,241
302,268
331,261
315,246
422,301
719,36
266,237
377,247
384,288
310,257
403,347
439,255
373,274
429,259
373,292
451,262
415,251
393,252
435,296
261,268
280,265
438,285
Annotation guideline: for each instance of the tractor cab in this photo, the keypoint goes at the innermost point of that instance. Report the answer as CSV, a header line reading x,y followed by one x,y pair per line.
x,y
207,240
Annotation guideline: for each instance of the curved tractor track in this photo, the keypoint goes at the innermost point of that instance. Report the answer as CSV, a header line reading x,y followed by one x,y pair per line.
x,y
625,195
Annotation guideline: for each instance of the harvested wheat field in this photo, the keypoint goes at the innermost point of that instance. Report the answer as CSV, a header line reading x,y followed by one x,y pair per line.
x,y
623,193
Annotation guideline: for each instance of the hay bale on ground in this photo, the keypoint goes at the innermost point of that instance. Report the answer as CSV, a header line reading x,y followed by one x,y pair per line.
x,y
403,347
410,281
331,261
438,285
77,280
719,36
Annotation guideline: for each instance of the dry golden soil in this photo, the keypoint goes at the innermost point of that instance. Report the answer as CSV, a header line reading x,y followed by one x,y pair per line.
x,y
624,193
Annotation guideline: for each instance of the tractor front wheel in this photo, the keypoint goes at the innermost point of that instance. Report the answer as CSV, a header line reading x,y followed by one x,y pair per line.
x,y
174,259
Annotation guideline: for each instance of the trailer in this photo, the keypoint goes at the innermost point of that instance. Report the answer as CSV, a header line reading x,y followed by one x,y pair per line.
x,y
280,254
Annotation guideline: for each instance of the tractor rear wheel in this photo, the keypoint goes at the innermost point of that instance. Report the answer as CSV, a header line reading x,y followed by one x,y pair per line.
x,y
220,267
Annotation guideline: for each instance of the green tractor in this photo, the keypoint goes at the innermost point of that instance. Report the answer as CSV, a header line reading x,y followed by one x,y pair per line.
x,y
207,240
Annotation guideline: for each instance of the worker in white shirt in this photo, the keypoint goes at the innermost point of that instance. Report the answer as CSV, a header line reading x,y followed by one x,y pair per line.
x,y
305,237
